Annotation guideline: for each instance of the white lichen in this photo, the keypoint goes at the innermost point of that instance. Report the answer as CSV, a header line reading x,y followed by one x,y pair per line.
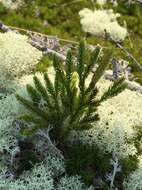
x,y
17,57
72,183
12,4
101,2
98,21
118,116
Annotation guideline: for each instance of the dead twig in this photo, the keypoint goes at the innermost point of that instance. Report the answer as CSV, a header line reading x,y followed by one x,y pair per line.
x,y
118,44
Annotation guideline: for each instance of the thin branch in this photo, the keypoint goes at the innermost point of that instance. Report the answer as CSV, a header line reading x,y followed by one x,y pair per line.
x,y
139,1
46,50
47,137
50,36
116,168
36,44
133,86
53,52
128,54
4,28
69,3
41,34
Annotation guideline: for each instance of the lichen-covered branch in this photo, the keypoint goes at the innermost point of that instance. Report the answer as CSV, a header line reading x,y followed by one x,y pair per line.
x,y
46,135
45,49
116,168
134,86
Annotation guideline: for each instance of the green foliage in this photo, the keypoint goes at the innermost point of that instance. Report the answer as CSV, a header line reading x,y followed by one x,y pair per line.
x,y
138,139
28,156
129,165
87,161
132,15
67,103
43,65
119,85
90,162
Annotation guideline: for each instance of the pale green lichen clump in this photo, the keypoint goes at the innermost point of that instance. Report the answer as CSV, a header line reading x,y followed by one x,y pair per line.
x,y
11,109
118,116
17,57
101,2
97,21
72,183
42,177
11,4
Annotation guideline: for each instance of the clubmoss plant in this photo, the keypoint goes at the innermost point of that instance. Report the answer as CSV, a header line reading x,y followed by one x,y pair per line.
x,y
68,103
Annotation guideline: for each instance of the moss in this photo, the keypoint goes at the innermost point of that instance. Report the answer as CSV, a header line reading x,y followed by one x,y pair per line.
x,y
87,162
129,164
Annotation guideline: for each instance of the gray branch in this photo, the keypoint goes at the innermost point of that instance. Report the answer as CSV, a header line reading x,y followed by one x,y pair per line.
x,y
53,52
4,28
118,44
38,42
45,134
47,46
134,86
